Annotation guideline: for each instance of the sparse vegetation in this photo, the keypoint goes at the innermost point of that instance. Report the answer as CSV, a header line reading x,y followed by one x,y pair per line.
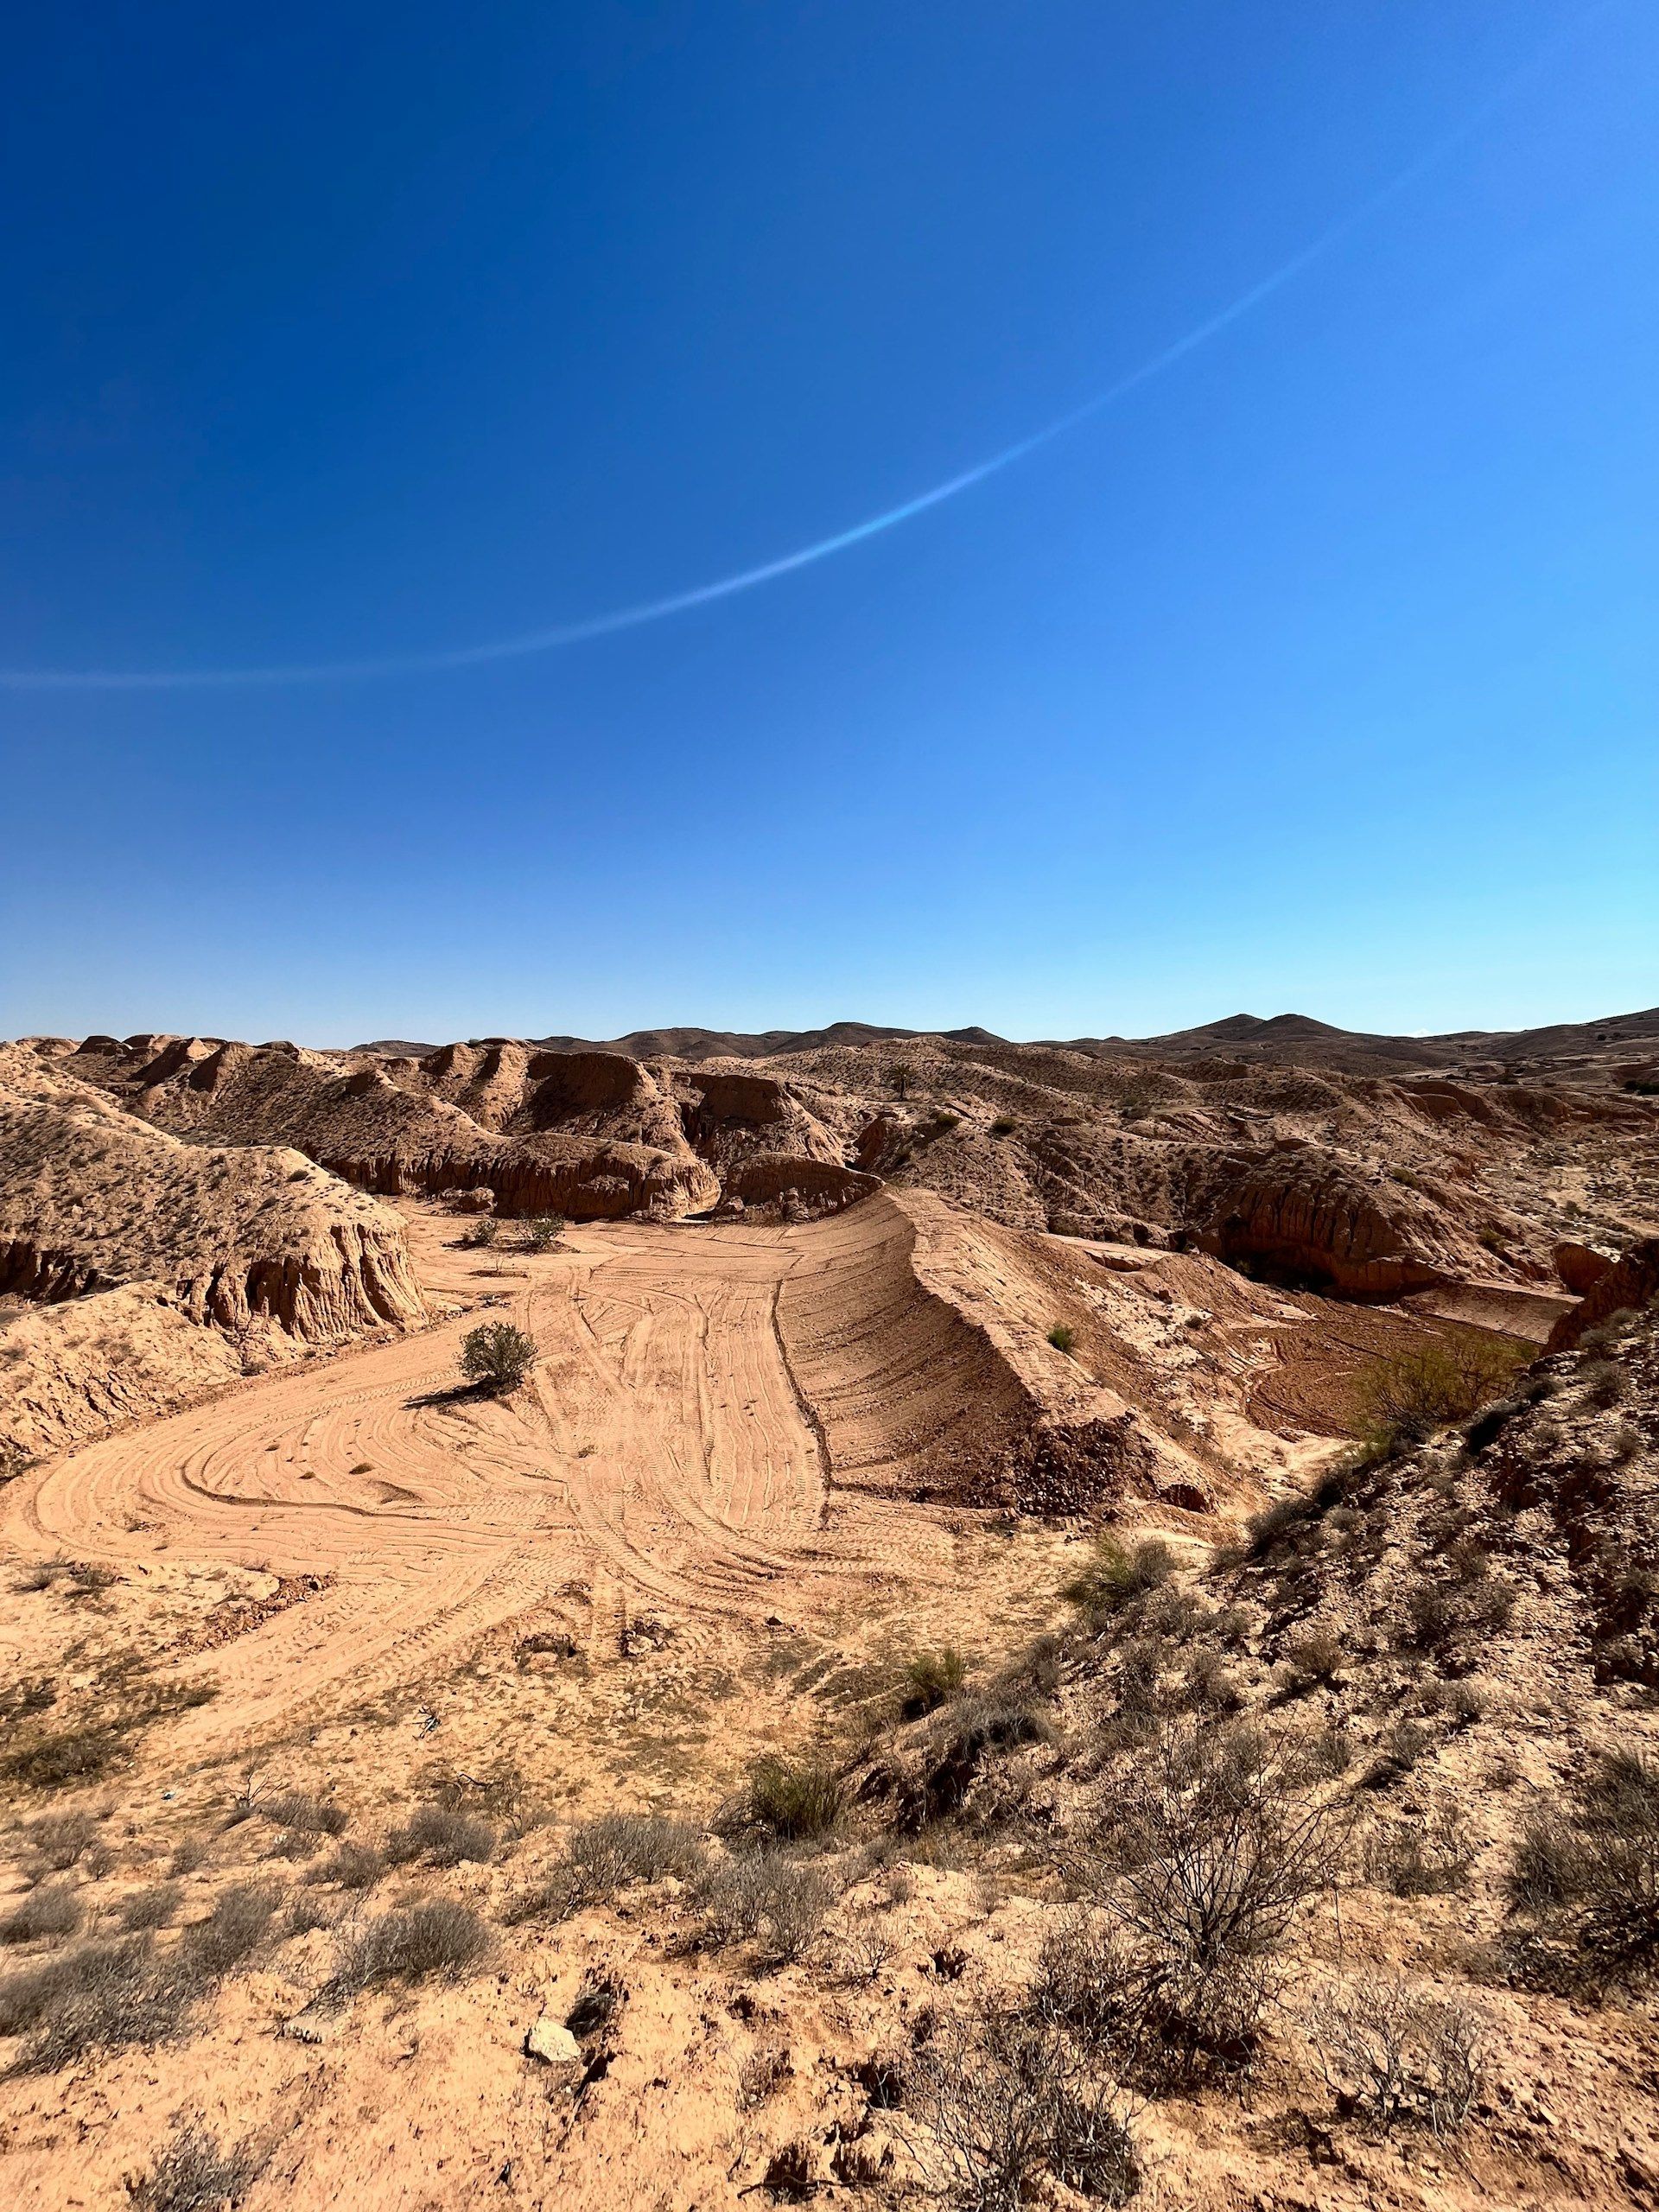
x,y
1586,1874
196,2174
776,1903
1115,1578
442,1835
439,1936
797,1800
1407,1398
930,1680
1399,2056
1061,1336
46,1913
498,1358
997,2100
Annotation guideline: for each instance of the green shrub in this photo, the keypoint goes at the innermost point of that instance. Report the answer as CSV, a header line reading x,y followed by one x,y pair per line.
x,y
1406,1397
930,1680
1115,1578
1061,1336
795,1800
498,1358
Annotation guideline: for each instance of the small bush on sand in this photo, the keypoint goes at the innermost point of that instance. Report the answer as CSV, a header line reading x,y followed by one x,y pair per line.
x,y
1431,1857
156,1907
930,1680
542,1234
1063,1337
51,1758
438,1937
62,1838
195,2174
776,1903
353,1866
1587,1876
1203,1857
441,1835
237,1924
99,1996
306,1815
1114,1578
47,1911
1399,2058
483,1232
795,1800
611,1852
498,1358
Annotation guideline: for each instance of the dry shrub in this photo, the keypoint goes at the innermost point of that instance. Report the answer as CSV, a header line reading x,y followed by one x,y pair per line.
x,y
1204,1855
442,1836
195,2174
1395,2056
1432,1857
156,1907
47,1911
440,1936
997,2100
61,1838
611,1852
778,1904
234,1927
1588,1876
99,1996
304,1815
50,1758
1314,1658
353,1866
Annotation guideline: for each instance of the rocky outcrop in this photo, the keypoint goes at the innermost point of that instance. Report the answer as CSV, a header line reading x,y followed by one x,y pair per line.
x,y
1304,1217
1630,1283
803,1187
239,1236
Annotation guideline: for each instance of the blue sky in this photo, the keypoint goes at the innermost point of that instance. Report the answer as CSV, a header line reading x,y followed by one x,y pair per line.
x,y
1318,671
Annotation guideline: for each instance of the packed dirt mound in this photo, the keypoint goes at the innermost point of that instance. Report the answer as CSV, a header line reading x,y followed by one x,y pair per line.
x,y
70,1372
254,1242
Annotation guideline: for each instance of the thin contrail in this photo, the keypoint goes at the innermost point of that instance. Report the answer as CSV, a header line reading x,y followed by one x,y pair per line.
x,y
654,610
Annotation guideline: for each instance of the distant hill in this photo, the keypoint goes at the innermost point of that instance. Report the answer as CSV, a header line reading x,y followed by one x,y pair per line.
x,y
1281,1039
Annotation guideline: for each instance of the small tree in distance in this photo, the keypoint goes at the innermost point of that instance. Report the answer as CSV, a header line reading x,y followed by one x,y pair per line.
x,y
498,1358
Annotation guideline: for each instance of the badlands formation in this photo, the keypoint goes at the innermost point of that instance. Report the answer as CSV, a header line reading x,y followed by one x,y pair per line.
x,y
1064,1624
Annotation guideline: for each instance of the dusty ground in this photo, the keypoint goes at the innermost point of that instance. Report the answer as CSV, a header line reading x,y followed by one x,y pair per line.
x,y
759,1467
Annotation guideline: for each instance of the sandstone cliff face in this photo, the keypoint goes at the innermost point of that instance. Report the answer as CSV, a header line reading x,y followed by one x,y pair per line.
x,y
90,1200
1304,1214
157,1270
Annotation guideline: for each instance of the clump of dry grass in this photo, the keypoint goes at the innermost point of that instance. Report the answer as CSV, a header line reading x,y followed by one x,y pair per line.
x,y
442,1835
196,2174
439,1936
44,1913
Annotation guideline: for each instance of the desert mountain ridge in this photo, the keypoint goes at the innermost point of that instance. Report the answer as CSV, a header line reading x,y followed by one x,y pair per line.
x,y
1295,1040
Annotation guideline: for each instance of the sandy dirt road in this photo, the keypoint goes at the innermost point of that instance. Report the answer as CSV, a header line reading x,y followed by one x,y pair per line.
x,y
662,1459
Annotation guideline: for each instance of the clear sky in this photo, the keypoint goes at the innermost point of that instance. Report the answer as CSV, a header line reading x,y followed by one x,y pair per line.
x,y
1318,669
